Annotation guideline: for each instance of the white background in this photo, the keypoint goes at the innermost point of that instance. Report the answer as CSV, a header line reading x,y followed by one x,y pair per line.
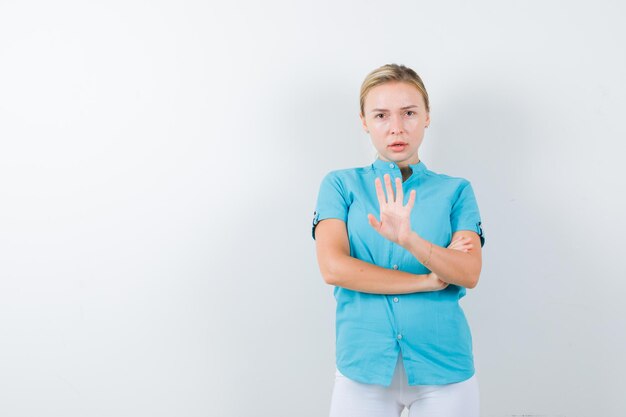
x,y
159,165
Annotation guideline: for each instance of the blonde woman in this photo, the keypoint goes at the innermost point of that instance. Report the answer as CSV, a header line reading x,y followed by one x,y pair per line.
x,y
402,340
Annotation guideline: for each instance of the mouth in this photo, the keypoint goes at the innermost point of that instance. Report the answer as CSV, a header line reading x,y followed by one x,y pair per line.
x,y
398,146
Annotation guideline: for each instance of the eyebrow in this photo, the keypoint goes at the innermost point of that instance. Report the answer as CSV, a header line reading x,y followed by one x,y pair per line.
x,y
401,108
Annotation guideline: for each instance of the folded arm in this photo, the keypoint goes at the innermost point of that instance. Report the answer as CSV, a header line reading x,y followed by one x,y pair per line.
x,y
340,269
451,266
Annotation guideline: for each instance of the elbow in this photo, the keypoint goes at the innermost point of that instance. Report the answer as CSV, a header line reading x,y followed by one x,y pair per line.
x,y
328,278
333,270
472,280
329,273
474,275
472,283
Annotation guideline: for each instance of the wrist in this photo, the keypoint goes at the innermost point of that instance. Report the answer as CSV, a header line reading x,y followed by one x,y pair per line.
x,y
409,241
421,248
431,282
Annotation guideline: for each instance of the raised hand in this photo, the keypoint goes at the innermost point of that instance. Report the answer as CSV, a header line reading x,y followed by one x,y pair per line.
x,y
395,218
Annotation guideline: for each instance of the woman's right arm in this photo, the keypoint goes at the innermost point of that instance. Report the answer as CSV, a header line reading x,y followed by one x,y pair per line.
x,y
342,270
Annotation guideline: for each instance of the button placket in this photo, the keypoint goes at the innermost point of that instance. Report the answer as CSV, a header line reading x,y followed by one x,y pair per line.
x,y
394,308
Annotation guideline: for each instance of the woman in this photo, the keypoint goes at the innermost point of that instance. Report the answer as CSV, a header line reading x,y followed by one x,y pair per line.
x,y
402,337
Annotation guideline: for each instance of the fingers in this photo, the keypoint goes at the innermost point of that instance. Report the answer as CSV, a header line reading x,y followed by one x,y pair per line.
x,y
438,283
458,240
455,243
461,244
411,201
379,193
462,247
390,197
399,191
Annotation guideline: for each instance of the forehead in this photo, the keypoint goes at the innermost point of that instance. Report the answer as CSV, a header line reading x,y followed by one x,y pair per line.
x,y
393,95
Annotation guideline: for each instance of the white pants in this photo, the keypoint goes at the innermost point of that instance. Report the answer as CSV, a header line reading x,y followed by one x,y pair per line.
x,y
355,399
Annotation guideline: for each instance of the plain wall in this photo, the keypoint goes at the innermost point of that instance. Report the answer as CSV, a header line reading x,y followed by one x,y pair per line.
x,y
159,165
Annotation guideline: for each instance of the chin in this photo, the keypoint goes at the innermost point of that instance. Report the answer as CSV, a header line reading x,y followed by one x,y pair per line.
x,y
401,157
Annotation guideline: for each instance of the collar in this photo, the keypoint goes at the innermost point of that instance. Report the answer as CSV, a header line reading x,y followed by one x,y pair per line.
x,y
389,166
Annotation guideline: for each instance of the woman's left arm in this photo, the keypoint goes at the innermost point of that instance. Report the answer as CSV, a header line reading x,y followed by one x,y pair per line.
x,y
450,265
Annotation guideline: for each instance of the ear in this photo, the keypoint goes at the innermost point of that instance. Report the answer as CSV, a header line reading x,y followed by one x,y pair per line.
x,y
427,118
364,123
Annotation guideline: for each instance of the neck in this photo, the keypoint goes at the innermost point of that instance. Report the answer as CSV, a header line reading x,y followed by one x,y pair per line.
x,y
405,164
406,172
414,159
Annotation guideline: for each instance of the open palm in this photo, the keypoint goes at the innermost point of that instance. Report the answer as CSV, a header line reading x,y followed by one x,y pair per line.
x,y
395,218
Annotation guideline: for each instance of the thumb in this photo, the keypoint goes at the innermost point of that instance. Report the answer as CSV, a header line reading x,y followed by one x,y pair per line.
x,y
373,222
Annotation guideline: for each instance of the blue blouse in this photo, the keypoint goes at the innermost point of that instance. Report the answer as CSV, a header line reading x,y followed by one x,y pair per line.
x,y
428,329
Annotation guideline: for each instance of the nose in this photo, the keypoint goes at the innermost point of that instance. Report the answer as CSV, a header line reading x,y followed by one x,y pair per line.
x,y
396,126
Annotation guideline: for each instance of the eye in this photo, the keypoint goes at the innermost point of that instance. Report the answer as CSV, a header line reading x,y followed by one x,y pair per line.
x,y
379,114
410,113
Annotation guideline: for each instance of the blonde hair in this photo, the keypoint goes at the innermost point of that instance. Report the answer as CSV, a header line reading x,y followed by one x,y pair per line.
x,y
389,73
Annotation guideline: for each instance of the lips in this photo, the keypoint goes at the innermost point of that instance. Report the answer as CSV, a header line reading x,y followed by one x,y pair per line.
x,y
398,146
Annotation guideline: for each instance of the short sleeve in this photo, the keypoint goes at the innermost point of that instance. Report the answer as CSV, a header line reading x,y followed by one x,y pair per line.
x,y
465,214
331,201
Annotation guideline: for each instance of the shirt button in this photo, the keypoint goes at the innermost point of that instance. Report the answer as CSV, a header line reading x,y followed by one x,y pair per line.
x,y
395,267
391,166
396,299
399,336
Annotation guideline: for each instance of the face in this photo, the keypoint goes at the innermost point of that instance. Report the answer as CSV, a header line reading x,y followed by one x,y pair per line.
x,y
395,117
